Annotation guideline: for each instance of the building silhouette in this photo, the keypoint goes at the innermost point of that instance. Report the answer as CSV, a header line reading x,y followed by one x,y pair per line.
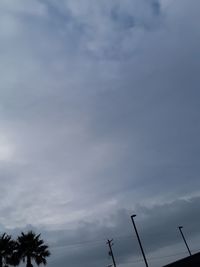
x,y
191,261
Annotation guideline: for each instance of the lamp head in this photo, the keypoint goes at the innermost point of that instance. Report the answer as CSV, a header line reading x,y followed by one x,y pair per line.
x,y
134,215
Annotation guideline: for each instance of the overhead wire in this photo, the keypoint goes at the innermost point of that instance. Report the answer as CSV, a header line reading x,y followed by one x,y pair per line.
x,y
83,243
80,243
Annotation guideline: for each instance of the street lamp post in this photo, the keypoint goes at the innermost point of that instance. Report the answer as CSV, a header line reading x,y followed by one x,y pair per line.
x,y
180,229
139,241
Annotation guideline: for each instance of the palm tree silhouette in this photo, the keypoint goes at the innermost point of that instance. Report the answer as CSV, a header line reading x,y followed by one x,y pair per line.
x,y
7,246
31,247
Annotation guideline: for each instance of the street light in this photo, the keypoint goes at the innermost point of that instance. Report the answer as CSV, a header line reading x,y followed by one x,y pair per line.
x,y
139,241
180,229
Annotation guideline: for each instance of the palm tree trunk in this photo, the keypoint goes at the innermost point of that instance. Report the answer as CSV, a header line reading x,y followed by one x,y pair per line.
x,y
28,262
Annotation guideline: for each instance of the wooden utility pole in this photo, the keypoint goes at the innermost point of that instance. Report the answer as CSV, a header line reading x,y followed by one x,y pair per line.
x,y
110,244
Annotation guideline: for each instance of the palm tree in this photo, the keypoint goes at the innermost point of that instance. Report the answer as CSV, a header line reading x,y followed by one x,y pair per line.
x,y
7,246
31,247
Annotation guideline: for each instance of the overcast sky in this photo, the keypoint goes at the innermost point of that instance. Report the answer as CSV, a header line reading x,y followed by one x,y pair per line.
x,y
100,119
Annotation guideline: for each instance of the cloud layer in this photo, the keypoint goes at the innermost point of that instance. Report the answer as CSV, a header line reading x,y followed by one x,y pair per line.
x,y
99,117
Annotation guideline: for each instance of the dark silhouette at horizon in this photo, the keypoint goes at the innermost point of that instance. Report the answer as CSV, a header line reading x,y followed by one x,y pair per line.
x,y
28,247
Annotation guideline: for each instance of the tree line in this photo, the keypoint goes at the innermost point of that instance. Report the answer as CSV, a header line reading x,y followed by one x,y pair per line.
x,y
28,247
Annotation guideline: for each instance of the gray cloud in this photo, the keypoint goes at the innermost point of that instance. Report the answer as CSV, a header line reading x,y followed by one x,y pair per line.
x,y
157,227
99,115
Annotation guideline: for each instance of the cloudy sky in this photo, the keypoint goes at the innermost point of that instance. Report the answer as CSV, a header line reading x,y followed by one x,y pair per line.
x,y
99,119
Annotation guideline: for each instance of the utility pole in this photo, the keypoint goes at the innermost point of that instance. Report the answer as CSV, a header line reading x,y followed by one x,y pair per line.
x,y
110,244
180,229
139,241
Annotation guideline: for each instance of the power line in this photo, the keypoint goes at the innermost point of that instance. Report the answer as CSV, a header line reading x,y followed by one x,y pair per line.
x,y
129,236
78,244
90,241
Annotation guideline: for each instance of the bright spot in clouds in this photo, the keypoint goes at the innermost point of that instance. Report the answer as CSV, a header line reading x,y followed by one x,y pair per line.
x,y
7,149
